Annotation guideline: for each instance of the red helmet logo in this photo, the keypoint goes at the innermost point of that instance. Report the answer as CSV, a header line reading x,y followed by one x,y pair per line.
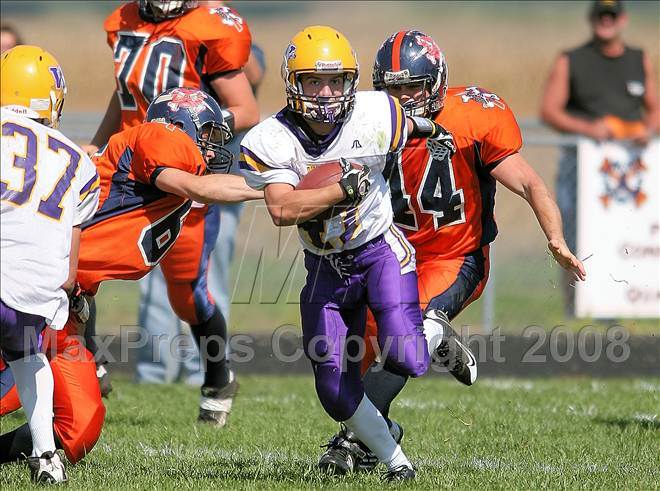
x,y
430,49
189,98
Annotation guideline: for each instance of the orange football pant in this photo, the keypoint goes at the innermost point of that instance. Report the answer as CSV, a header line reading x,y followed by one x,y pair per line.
x,y
77,406
186,266
449,285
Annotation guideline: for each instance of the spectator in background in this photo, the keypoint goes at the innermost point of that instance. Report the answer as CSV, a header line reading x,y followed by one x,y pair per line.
x,y
9,37
603,90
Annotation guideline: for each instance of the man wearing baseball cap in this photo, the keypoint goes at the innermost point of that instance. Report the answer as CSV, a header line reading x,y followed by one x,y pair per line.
x,y
604,90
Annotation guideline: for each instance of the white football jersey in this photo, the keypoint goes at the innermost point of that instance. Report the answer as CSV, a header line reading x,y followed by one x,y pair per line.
x,y
275,151
49,185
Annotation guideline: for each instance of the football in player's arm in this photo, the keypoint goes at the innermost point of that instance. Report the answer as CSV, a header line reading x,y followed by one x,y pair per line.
x,y
288,206
355,254
451,230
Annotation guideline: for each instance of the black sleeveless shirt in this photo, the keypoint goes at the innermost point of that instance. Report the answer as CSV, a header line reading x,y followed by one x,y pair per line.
x,y
600,85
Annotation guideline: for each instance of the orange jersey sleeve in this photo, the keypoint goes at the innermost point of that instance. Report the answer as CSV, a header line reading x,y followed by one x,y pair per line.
x,y
445,205
188,51
136,223
488,120
160,146
229,47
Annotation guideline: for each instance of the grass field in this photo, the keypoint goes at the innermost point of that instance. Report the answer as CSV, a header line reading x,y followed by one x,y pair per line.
x,y
501,433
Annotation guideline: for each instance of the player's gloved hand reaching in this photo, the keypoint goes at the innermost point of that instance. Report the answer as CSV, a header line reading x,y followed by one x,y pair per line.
x,y
354,182
439,140
442,137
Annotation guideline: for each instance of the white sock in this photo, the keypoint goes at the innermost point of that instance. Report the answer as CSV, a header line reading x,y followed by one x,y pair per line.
x,y
34,383
371,428
433,331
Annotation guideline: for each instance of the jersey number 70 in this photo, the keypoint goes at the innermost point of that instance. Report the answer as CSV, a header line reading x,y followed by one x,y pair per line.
x,y
162,69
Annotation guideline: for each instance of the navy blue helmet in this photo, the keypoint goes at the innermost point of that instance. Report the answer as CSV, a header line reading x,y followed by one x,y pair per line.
x,y
200,116
410,57
160,10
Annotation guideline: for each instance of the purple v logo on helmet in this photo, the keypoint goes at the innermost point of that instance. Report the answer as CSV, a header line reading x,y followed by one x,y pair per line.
x,y
57,74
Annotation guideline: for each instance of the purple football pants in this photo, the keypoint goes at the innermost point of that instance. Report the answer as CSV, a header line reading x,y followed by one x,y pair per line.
x,y
333,308
19,332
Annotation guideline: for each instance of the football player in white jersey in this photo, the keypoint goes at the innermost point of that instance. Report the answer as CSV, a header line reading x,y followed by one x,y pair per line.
x,y
356,258
49,187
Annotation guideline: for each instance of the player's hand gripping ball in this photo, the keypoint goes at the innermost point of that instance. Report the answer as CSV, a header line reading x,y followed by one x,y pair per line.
x,y
352,177
354,181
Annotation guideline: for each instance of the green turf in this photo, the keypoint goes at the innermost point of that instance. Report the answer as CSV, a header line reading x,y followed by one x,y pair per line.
x,y
501,433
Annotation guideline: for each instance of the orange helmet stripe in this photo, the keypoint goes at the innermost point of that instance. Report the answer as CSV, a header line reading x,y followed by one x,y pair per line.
x,y
396,48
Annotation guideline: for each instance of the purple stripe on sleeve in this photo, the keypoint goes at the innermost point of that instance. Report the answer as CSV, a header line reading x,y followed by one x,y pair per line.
x,y
246,151
393,112
89,184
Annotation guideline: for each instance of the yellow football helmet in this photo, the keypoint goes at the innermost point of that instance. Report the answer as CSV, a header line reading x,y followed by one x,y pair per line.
x,y
321,50
32,84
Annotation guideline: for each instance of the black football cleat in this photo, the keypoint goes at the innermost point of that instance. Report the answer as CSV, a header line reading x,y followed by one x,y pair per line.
x,y
342,455
401,473
215,404
47,469
451,352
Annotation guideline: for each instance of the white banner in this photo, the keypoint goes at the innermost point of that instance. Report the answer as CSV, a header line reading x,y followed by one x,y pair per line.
x,y
619,229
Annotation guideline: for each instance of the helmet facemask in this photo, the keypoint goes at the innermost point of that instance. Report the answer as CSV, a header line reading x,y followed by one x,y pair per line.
x,y
160,10
321,109
426,100
56,104
213,137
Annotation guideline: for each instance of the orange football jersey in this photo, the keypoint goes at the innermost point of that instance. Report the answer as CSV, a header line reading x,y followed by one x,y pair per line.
x,y
188,51
136,223
445,207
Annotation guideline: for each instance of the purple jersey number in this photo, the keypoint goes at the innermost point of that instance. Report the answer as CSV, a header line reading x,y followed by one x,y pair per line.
x,y
50,205
26,162
316,229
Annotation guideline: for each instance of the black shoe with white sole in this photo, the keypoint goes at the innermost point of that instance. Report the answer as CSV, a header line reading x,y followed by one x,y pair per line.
x,y
104,380
215,404
401,473
343,453
451,352
47,469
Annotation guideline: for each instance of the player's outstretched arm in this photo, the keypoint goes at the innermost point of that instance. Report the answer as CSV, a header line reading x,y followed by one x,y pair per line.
x,y
211,188
518,176
288,206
